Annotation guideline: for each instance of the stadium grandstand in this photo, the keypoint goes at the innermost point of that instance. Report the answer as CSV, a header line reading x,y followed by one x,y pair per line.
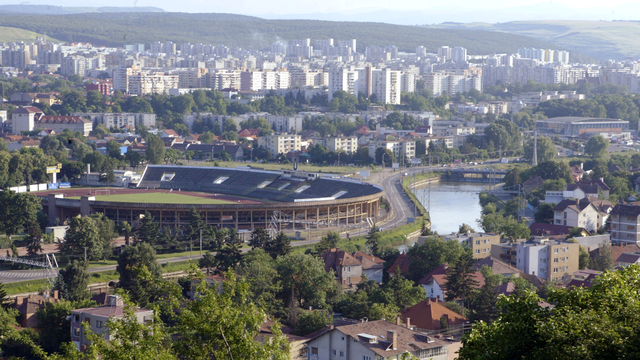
x,y
242,197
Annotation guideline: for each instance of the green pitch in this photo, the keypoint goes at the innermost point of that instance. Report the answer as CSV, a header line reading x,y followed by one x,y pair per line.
x,y
160,198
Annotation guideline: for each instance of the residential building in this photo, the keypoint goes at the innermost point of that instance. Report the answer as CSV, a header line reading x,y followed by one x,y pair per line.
x,y
497,266
427,315
152,83
119,120
28,307
375,340
616,251
480,243
347,144
576,213
59,123
435,282
453,82
625,224
548,259
96,319
372,266
24,118
280,143
401,149
588,188
348,269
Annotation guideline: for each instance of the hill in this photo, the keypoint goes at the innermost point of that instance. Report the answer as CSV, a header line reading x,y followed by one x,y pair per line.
x,y
11,34
600,39
117,29
64,10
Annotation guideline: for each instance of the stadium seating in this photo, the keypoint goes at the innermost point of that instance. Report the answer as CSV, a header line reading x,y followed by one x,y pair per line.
x,y
245,182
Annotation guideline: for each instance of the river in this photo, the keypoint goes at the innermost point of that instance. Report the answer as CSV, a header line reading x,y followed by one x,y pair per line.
x,y
452,203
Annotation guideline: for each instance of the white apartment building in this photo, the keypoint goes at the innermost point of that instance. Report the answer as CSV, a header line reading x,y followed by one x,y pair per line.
x,y
348,144
224,79
280,143
285,123
452,82
343,79
576,213
155,83
118,120
386,85
404,148
269,80
120,77
192,78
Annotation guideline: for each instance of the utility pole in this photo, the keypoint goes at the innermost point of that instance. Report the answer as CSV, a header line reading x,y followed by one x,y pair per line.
x,y
200,242
534,159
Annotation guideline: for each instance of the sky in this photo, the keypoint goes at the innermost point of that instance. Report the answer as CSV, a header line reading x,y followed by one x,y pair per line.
x,y
447,11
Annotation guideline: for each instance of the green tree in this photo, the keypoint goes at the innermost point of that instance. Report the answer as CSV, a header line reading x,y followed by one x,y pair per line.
x,y
278,246
82,238
330,241
596,146
373,241
126,229
4,299
113,149
433,252
208,262
34,238
544,213
226,326
460,280
11,337
259,271
603,260
259,237
402,292
229,254
130,261
583,259
312,320
72,281
464,228
546,149
148,230
154,153
304,276
53,318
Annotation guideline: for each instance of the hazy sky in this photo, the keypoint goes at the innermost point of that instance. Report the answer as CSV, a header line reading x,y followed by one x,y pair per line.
x,y
255,7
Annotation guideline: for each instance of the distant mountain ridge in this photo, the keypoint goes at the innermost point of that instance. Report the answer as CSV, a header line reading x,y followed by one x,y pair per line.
x,y
67,10
255,33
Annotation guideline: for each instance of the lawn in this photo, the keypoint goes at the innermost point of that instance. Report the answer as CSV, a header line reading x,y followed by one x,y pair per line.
x,y
158,198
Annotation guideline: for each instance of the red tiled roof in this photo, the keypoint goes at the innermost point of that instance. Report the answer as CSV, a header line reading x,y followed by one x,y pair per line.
x,y
427,314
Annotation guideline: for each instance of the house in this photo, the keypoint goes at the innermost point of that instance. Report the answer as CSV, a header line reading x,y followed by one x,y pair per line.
x,y
497,267
402,261
435,282
46,132
533,184
375,340
427,315
250,134
583,278
617,251
576,213
557,232
297,344
626,259
168,133
96,318
29,306
595,188
348,269
372,266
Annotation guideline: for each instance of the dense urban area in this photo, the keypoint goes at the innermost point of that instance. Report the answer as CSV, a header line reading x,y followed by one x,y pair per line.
x,y
197,201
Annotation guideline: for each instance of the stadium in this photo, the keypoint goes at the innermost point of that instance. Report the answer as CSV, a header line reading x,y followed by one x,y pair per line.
x,y
241,198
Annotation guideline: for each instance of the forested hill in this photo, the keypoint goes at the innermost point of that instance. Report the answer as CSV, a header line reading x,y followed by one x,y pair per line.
x,y
117,29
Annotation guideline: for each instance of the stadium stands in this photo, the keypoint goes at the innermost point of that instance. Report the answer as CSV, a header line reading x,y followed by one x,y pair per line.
x,y
250,183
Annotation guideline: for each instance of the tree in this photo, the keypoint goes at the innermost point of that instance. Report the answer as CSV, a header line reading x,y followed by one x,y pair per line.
x,y
148,229
72,281
460,281
259,237
134,158
544,213
433,252
4,299
17,210
11,337
34,238
278,246
587,323
259,270
82,238
226,326
113,149
229,254
546,149
154,152
196,224
106,234
131,259
603,260
208,262
596,146
373,241
312,320
464,228
330,241
304,276
53,318
126,229
583,259
402,292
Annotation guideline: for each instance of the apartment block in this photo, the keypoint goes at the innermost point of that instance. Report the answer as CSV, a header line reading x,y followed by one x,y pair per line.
x,y
280,143
550,260
404,148
348,144
118,120
480,243
452,82
625,224
153,83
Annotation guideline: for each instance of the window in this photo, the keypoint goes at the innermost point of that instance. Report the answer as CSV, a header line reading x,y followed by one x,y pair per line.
x,y
333,352
555,251
477,251
343,338
76,318
631,227
76,331
314,351
555,270
87,320
349,268
615,226
555,260
365,357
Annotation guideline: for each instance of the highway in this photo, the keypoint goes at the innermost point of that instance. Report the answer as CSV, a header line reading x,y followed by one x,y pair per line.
x,y
401,208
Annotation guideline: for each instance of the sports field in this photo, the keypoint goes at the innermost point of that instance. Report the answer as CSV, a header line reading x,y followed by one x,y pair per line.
x,y
161,198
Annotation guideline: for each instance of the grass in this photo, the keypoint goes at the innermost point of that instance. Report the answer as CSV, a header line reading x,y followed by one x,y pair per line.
x,y
158,198
11,34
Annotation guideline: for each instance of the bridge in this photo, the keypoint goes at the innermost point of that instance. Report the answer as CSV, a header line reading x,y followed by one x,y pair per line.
x,y
487,175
